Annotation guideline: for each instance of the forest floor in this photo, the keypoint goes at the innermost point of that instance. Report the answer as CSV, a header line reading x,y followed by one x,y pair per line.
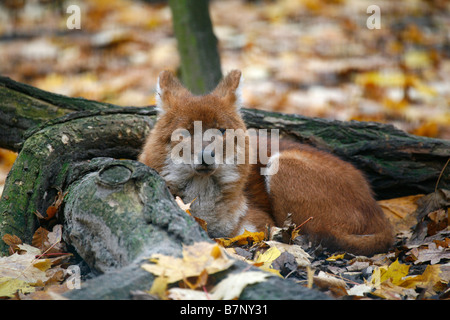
x,y
316,58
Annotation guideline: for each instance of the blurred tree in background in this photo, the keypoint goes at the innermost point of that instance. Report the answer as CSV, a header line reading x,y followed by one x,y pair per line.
x,y
197,44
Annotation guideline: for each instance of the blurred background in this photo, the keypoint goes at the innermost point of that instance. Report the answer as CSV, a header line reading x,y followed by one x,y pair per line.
x,y
312,57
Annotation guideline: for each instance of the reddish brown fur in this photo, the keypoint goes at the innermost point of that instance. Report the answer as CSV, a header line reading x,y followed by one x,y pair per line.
x,y
309,182
312,183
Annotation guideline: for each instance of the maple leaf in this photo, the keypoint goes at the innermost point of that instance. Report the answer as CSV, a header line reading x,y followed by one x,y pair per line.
x,y
24,266
196,258
264,261
429,278
12,241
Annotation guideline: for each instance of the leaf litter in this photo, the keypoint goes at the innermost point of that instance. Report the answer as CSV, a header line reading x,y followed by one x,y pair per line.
x,y
418,267
35,268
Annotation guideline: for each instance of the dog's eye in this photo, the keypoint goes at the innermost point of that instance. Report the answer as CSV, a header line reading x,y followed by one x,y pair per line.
x,y
222,131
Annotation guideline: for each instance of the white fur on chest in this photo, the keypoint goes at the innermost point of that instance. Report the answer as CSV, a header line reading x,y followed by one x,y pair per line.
x,y
209,204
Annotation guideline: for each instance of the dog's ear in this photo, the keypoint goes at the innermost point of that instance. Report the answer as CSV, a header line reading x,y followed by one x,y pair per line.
x,y
230,88
167,89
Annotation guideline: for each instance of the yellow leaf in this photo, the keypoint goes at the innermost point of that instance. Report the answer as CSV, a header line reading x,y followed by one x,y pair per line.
x,y
43,265
429,278
242,239
268,256
264,261
216,252
427,129
401,212
381,79
415,59
376,277
7,158
301,257
159,287
335,257
396,272
21,266
423,88
9,286
196,258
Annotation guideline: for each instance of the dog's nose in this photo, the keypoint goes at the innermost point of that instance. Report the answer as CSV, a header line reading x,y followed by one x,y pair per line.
x,y
206,157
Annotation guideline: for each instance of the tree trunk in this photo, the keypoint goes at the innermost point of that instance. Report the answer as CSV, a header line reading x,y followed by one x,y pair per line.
x,y
197,45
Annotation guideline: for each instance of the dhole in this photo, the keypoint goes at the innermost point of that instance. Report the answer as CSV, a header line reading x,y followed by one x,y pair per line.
x,y
234,196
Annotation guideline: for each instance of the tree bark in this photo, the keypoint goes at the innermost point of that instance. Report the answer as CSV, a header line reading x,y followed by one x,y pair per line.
x,y
197,45
23,107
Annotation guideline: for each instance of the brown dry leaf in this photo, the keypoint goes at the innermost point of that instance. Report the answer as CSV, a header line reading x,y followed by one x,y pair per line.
x,y
40,239
12,241
196,258
202,223
53,209
432,202
331,282
49,242
401,211
198,282
433,254
52,292
438,221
